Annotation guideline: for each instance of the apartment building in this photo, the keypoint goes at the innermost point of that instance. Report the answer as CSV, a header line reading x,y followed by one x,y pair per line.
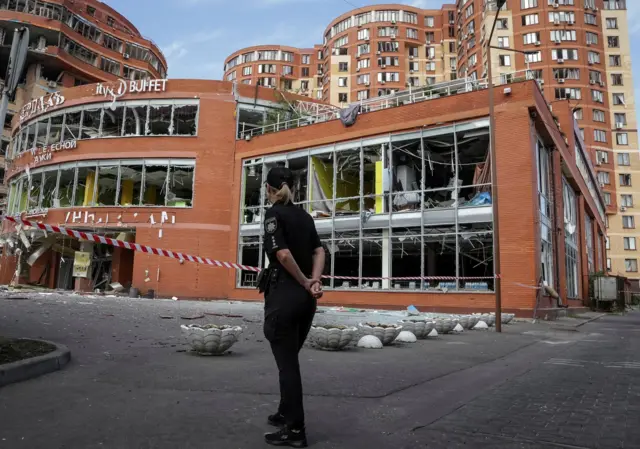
x,y
369,52
578,50
290,69
72,42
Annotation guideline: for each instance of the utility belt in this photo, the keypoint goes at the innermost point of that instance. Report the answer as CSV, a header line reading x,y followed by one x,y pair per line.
x,y
267,278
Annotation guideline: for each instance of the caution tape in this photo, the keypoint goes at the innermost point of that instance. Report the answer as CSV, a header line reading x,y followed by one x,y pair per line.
x,y
88,236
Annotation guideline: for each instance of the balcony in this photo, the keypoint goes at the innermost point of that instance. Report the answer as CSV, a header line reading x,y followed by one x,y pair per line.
x,y
400,98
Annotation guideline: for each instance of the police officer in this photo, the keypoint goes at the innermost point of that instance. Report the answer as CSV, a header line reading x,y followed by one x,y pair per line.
x,y
292,286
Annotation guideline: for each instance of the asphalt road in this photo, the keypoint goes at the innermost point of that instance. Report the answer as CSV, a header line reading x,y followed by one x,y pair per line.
x,y
130,385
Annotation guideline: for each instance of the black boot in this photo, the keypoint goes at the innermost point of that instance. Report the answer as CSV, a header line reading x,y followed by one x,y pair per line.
x,y
276,420
287,437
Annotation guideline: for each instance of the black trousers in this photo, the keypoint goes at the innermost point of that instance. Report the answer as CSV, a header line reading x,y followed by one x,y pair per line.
x,y
289,312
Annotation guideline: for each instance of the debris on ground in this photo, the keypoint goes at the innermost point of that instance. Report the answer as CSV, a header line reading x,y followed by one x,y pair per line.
x,y
192,317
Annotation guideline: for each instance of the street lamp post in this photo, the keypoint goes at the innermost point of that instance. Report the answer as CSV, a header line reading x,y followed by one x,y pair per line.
x,y
494,173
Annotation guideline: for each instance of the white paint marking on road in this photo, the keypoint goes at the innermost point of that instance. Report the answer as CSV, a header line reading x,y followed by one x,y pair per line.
x,y
564,364
457,343
555,342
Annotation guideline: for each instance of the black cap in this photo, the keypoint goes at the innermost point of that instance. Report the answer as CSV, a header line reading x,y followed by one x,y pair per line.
x,y
278,176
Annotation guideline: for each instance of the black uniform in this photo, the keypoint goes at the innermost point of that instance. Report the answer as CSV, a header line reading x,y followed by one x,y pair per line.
x,y
289,307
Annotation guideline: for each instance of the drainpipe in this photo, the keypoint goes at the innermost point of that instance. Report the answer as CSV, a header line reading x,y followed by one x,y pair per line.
x,y
556,230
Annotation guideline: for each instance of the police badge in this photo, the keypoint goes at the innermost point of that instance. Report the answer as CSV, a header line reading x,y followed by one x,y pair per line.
x,y
271,225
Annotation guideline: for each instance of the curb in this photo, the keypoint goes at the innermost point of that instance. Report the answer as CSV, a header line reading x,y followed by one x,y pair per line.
x,y
592,319
35,366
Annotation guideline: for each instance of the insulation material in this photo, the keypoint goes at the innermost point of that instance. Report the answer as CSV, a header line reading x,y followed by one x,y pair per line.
x,y
321,189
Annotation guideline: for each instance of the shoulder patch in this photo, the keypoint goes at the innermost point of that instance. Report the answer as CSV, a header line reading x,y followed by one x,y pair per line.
x,y
271,225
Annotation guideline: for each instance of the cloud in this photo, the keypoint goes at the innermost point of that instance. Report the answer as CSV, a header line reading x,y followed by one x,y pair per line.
x,y
178,52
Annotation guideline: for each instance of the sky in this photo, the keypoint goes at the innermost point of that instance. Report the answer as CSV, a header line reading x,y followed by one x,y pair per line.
x,y
197,35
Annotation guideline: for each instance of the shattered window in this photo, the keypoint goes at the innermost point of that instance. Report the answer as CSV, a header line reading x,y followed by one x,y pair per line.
x,y
24,195
41,139
135,120
49,188
159,120
107,185
300,168
155,185
250,256
130,184
406,252
184,120
348,181
65,188
112,122
34,190
55,129
180,192
347,260
252,193
84,195
91,123
31,137
72,125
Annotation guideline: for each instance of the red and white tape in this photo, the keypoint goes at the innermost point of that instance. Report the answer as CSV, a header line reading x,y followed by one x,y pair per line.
x,y
203,260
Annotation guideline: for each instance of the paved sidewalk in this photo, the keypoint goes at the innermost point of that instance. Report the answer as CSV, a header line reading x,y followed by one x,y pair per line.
x,y
131,386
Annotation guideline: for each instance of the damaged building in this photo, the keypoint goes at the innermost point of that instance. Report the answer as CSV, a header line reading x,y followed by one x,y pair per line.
x,y
402,196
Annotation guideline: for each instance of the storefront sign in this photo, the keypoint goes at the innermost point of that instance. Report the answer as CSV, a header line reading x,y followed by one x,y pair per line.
x,y
43,154
81,264
131,87
40,105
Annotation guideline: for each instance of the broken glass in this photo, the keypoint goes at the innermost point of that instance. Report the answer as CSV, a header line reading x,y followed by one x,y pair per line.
x,y
406,255
321,187
180,192
348,181
252,193
66,187
130,185
372,259
49,188
184,120
135,120
155,185
72,125
91,123
55,129
159,120
43,127
31,137
112,121
34,190
300,168
250,256
107,185
440,258
24,195
346,259
85,190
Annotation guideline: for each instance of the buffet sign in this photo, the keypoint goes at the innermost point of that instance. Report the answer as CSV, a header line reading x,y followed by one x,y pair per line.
x,y
123,87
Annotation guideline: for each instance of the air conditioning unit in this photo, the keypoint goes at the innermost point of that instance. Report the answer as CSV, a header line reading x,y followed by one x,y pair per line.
x,y
560,61
367,84
393,37
598,162
556,5
623,209
592,82
411,71
126,55
601,83
358,69
558,41
590,62
382,82
537,43
619,125
570,22
588,44
561,80
378,52
556,21
393,21
383,66
410,56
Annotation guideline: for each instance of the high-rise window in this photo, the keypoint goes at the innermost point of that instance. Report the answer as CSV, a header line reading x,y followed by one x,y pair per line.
x,y
527,4
622,139
624,159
